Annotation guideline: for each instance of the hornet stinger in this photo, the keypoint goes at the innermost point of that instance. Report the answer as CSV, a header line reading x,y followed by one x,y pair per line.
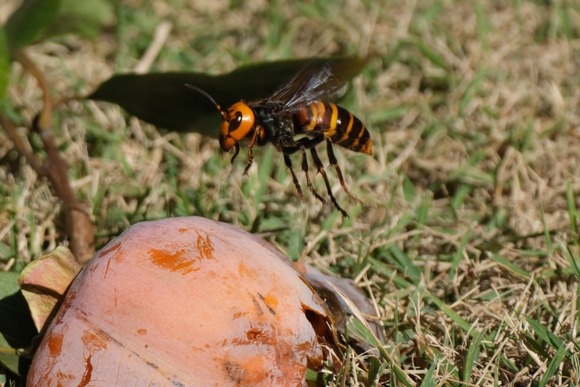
x,y
295,119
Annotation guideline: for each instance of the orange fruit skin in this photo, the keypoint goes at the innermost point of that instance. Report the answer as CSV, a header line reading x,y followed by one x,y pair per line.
x,y
182,301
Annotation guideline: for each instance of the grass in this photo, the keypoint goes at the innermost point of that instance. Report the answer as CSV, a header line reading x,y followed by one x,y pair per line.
x,y
468,236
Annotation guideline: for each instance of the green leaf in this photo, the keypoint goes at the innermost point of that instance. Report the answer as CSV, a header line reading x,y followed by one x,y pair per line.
x,y
85,18
16,328
36,20
4,63
163,100
311,375
8,286
30,21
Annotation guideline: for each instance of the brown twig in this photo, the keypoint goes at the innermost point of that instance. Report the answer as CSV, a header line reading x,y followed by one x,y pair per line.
x,y
78,222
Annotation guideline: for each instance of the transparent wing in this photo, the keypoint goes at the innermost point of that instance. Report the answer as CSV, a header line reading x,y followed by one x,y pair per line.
x,y
311,83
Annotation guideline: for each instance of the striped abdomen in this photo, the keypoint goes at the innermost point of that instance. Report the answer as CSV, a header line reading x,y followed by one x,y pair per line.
x,y
336,123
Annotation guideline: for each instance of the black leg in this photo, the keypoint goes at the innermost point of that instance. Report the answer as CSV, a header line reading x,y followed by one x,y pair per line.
x,y
302,144
288,163
320,168
308,181
334,163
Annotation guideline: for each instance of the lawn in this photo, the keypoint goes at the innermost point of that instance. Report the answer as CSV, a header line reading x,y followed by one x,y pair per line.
x,y
466,237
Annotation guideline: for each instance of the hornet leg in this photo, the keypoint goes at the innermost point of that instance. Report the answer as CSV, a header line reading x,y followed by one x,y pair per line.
x,y
288,163
334,163
320,168
308,181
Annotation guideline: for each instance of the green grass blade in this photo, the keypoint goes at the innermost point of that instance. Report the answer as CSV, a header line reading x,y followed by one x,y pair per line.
x,y
428,379
471,89
405,264
472,356
356,328
510,266
4,63
553,365
572,212
376,368
574,260
547,236
463,324
430,54
390,273
459,255
544,334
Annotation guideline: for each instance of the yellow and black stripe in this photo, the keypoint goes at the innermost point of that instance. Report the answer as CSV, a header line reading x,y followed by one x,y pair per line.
x,y
336,123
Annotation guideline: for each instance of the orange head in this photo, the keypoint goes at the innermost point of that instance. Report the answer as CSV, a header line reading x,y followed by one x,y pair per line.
x,y
237,121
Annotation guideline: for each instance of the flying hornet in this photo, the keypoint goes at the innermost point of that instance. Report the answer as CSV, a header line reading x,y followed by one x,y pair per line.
x,y
296,119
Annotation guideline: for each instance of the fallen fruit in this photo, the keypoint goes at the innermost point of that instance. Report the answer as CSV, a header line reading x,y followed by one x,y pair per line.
x,y
184,301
